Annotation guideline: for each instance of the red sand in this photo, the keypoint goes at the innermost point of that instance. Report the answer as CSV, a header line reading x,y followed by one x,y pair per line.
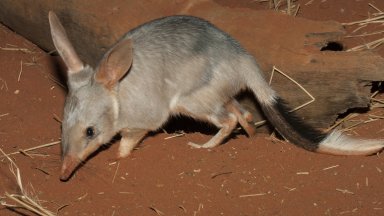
x,y
246,176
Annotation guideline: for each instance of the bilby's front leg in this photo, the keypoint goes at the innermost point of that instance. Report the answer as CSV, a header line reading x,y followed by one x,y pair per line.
x,y
129,139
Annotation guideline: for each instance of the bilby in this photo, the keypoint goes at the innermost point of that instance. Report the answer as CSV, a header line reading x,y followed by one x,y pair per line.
x,y
177,65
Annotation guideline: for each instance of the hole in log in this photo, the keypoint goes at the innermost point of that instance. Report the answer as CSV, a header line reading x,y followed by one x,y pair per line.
x,y
333,46
377,86
358,110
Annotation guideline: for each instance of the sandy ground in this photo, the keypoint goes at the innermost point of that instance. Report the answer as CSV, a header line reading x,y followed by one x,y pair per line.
x,y
245,176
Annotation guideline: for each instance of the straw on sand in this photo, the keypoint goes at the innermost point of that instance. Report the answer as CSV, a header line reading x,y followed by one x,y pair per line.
x,y
378,19
291,9
31,149
368,46
22,200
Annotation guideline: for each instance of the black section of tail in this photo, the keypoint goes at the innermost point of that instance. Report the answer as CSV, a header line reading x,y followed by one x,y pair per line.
x,y
291,127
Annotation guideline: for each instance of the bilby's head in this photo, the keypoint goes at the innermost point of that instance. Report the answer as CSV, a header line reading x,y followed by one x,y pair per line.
x,y
91,108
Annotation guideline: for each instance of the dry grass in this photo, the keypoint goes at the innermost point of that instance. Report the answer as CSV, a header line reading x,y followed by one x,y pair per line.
x,y
23,200
11,47
368,46
176,134
284,6
252,195
157,211
20,71
376,19
24,151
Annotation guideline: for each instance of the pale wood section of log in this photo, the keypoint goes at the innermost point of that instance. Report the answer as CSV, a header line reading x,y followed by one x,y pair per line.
x,y
338,80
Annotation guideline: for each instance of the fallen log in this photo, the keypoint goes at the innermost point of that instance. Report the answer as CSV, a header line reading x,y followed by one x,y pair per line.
x,y
338,80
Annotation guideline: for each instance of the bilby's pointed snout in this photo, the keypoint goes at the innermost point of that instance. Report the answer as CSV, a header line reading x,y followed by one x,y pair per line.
x,y
70,163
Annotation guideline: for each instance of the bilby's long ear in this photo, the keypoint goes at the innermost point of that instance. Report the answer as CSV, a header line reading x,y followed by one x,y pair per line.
x,y
63,45
115,64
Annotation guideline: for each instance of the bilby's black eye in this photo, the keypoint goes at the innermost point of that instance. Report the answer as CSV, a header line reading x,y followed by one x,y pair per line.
x,y
90,132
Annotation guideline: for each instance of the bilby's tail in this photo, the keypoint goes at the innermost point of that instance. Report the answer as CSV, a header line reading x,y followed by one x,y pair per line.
x,y
305,136
297,131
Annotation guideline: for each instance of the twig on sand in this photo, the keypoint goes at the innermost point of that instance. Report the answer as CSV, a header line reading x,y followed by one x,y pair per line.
x,y
33,148
374,7
114,176
252,195
368,46
20,71
158,212
25,50
378,18
22,200
176,134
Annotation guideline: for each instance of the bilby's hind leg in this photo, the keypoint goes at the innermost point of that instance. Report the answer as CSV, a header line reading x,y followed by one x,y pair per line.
x,y
226,121
243,116
222,116
129,139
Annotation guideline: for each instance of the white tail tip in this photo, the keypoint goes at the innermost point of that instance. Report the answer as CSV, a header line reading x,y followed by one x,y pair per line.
x,y
339,144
